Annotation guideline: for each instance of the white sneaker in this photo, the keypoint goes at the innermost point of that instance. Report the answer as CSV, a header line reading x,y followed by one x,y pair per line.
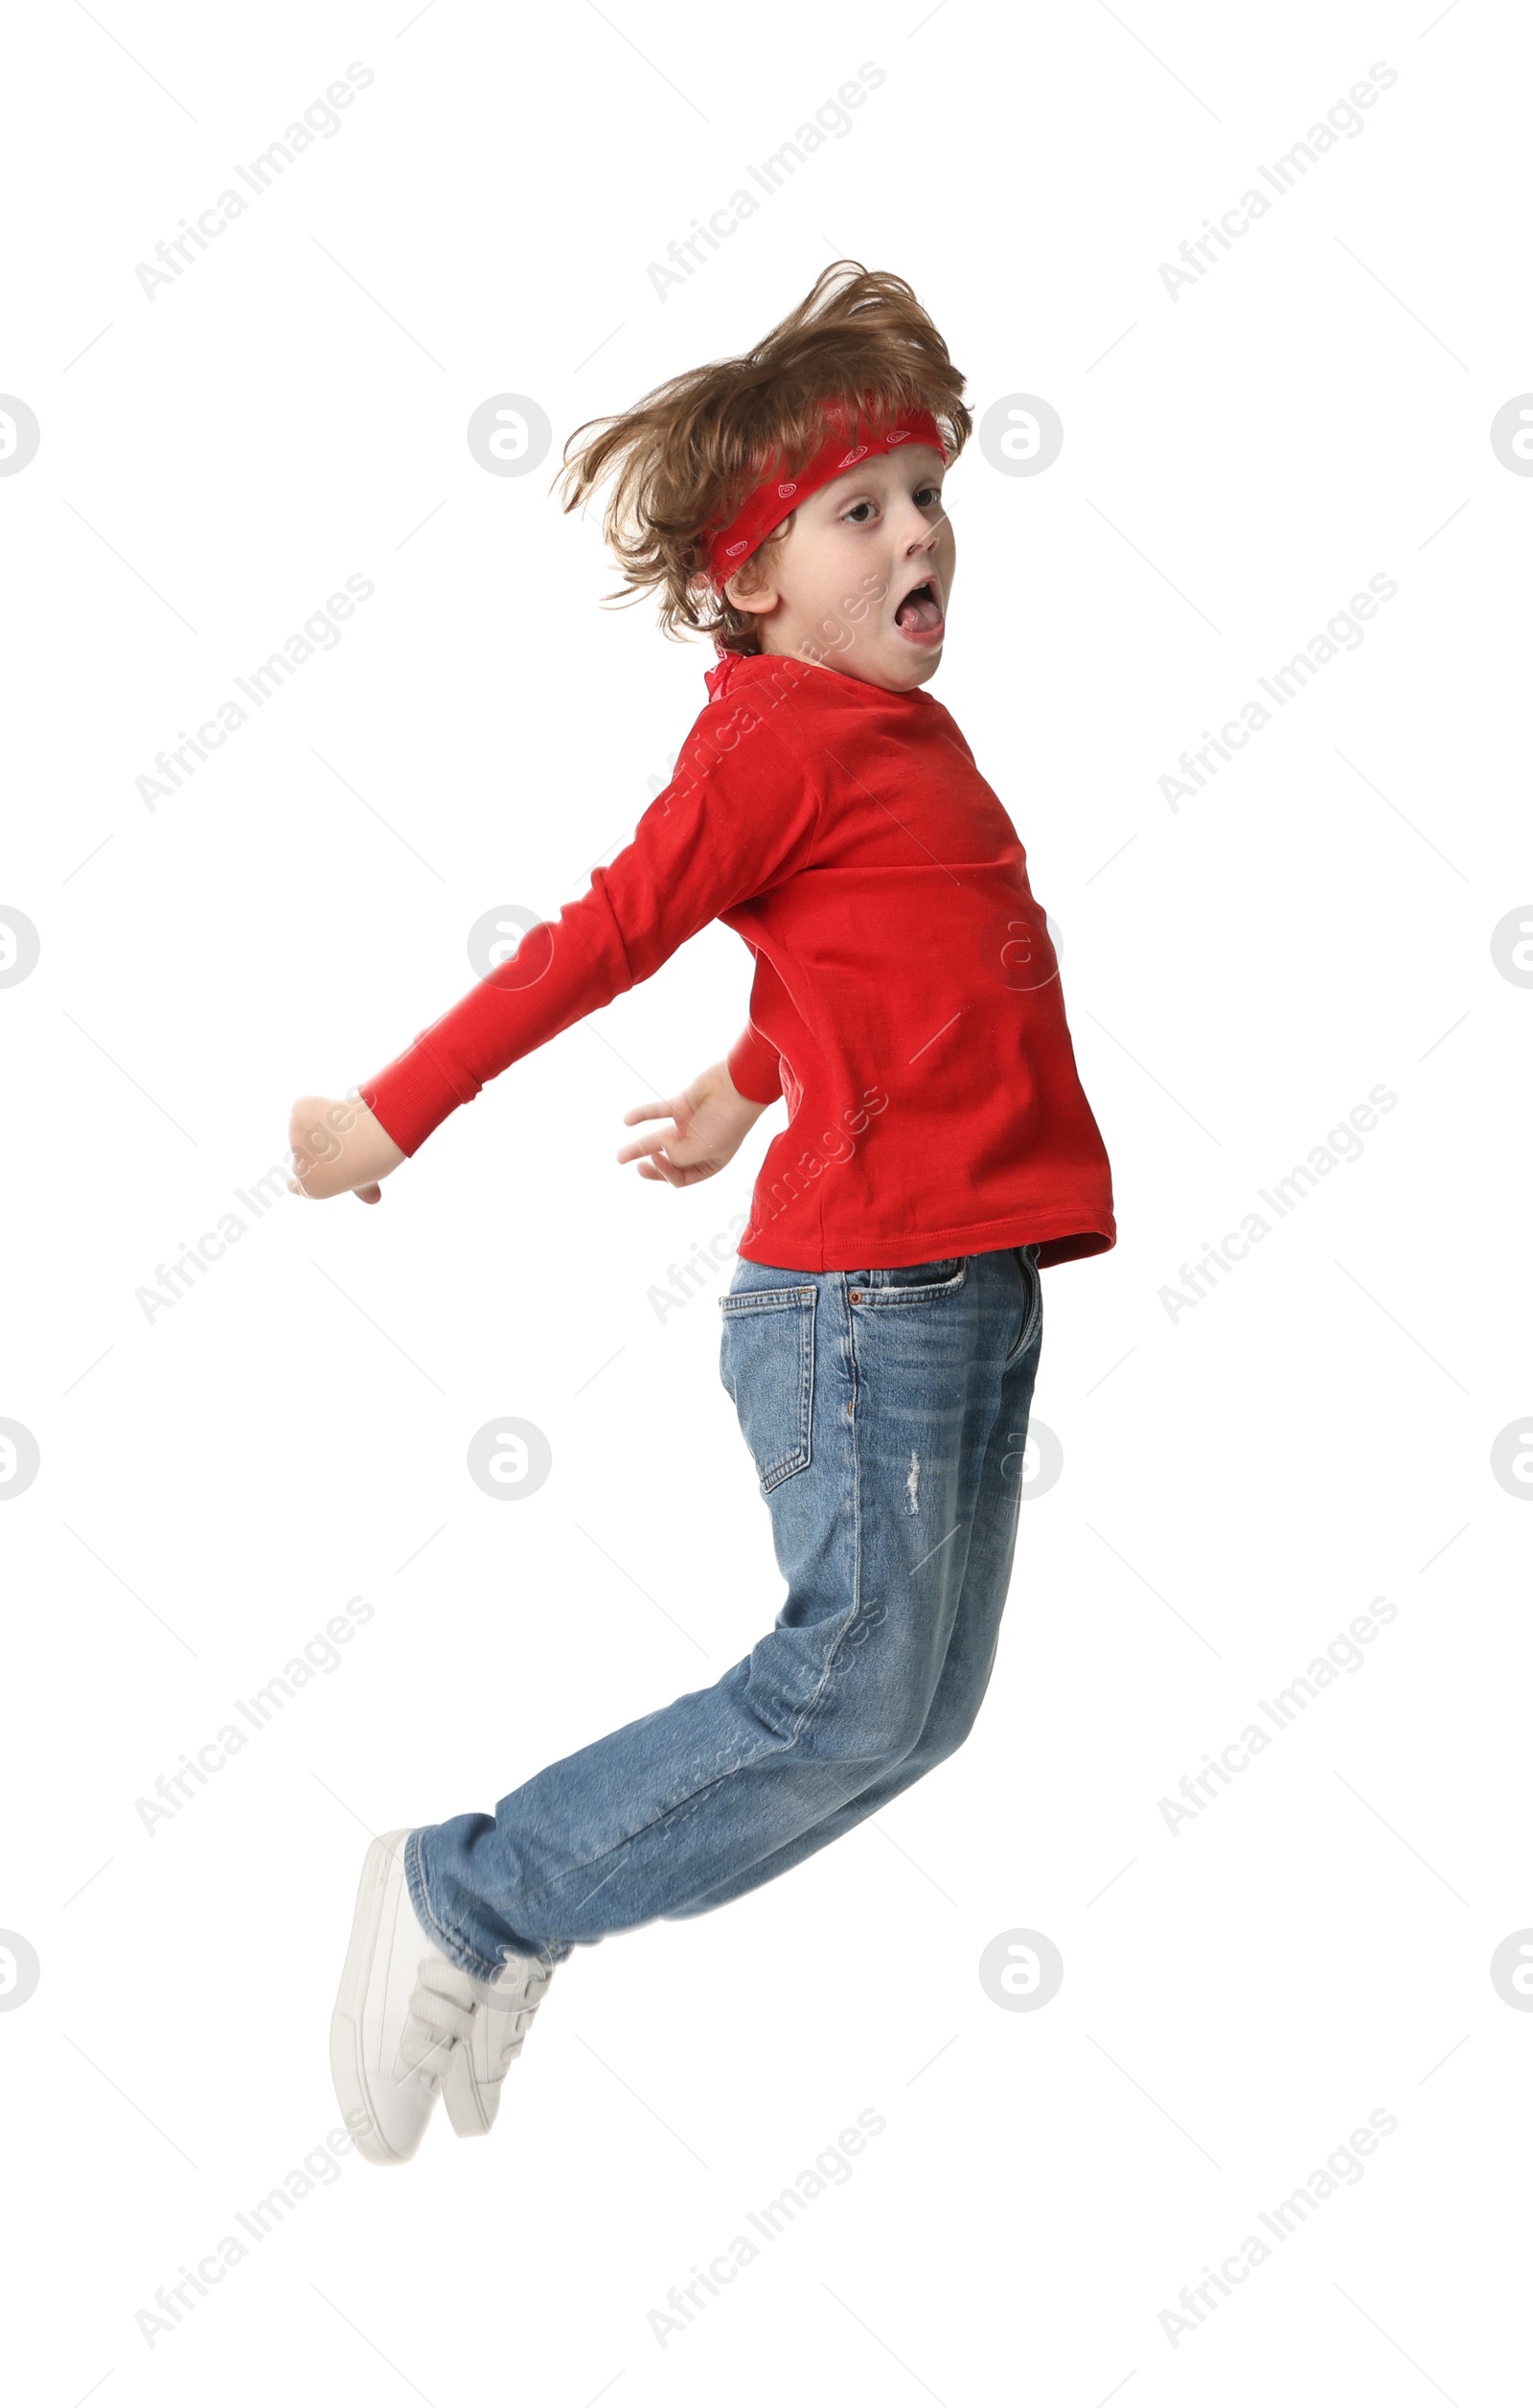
x,y
392,2031
409,2023
503,2011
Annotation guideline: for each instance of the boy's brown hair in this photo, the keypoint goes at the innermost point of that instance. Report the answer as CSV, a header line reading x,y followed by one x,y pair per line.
x,y
684,458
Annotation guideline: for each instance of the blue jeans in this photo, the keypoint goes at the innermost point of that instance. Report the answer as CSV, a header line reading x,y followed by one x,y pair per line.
x,y
886,1414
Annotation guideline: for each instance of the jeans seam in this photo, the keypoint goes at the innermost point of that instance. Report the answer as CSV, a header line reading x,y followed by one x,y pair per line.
x,y
857,1528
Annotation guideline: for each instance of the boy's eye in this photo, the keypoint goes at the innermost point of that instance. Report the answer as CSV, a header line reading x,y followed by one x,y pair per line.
x,y
924,497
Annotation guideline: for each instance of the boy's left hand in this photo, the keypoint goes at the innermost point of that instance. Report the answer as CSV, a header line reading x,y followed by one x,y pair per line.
x,y
709,1122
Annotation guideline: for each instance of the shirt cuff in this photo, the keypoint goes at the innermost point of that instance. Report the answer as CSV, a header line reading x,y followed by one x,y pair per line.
x,y
755,1067
415,1094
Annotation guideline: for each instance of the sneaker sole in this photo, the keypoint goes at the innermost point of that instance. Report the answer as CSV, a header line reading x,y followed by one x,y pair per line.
x,y
346,2063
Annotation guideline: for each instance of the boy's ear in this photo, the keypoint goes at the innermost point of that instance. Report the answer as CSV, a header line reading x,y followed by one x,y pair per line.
x,y
761,596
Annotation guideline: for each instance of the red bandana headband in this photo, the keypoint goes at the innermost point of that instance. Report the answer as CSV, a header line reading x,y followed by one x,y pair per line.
x,y
771,501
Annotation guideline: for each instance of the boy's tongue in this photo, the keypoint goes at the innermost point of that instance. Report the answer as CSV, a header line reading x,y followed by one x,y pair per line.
x,y
919,613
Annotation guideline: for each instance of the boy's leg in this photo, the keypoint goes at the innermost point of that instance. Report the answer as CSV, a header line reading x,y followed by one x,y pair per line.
x,y
966,1670
872,1509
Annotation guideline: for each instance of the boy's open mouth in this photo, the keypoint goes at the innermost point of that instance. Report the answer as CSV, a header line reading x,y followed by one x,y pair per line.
x,y
919,617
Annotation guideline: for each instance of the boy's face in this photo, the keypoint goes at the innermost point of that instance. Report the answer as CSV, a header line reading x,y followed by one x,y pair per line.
x,y
836,587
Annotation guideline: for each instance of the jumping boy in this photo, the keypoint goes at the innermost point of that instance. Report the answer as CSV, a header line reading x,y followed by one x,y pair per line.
x,y
881,1336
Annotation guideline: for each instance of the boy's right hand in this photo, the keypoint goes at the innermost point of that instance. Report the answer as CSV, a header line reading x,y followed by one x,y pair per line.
x,y
708,1124
339,1148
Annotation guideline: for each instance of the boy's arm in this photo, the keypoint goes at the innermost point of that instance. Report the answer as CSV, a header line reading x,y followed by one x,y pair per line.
x,y
754,1067
738,815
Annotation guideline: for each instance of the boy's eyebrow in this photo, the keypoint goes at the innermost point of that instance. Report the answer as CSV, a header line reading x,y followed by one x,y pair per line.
x,y
872,493
853,483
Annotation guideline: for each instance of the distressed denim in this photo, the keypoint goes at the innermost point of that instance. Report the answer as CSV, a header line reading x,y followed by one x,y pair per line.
x,y
886,1414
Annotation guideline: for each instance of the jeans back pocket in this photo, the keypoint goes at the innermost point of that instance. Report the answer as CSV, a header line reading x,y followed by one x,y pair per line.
x,y
767,1361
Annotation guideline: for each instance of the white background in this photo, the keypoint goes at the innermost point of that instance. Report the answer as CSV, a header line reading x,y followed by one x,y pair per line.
x,y
1239,1482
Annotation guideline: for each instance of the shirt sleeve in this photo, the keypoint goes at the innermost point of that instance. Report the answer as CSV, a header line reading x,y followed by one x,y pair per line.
x,y
739,814
755,1067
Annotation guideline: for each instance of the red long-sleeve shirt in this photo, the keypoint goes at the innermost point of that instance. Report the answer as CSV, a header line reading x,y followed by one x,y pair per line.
x,y
906,1000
